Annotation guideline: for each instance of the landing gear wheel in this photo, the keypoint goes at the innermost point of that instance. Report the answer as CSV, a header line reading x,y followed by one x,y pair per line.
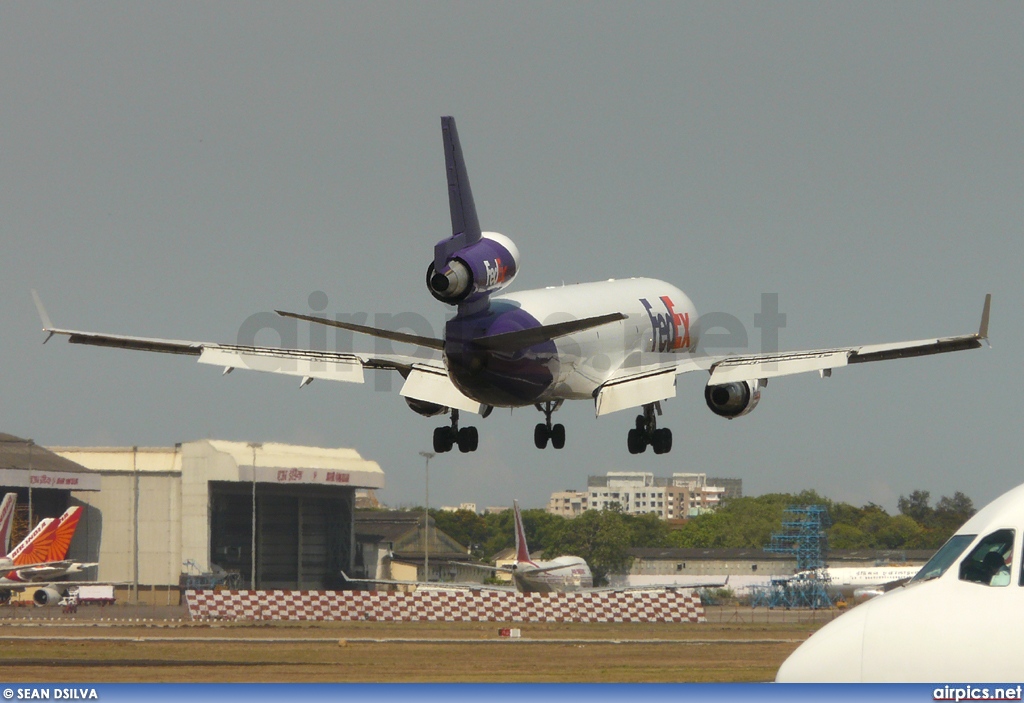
x,y
647,433
540,436
546,431
447,437
444,439
558,436
662,441
468,439
636,442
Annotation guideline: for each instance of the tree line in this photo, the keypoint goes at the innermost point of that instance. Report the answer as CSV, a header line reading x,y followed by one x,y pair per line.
x,y
604,537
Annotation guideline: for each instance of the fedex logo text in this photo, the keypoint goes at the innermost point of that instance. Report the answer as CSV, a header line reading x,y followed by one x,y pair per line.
x,y
671,330
496,273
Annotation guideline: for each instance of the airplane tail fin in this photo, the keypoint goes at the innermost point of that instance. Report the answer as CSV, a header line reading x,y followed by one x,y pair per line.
x,y
7,521
64,532
465,225
522,550
36,546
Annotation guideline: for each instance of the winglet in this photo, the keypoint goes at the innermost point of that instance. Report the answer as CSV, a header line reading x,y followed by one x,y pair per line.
x,y
47,324
983,329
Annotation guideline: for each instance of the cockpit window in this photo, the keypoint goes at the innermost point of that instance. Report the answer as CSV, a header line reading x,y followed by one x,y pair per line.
x,y
989,562
947,554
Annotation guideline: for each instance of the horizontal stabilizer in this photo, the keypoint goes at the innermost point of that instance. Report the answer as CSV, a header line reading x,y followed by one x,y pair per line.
x,y
428,342
521,339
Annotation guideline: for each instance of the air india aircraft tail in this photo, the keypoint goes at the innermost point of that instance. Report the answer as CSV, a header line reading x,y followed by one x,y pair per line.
x,y
66,525
522,551
35,548
6,522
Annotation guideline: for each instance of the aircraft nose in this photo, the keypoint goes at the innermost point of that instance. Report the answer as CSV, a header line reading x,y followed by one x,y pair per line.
x,y
833,654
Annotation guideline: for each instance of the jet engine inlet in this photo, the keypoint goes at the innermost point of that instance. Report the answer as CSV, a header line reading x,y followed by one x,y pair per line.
x,y
733,399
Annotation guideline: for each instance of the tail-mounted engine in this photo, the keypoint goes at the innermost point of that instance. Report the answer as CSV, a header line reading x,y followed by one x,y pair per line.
x,y
482,268
734,399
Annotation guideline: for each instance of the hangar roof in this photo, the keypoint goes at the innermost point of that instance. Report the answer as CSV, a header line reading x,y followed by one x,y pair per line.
x,y
24,463
18,453
125,459
276,455
274,462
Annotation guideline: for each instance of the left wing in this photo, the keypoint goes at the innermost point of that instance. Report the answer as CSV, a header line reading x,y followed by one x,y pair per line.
x,y
425,379
33,574
653,378
695,586
434,584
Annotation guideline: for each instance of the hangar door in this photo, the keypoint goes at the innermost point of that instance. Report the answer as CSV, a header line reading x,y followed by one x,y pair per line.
x,y
303,534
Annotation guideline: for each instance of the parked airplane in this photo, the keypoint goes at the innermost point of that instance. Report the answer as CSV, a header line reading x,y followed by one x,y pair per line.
x,y
571,573
861,582
957,620
617,343
565,573
561,574
42,558
6,522
34,549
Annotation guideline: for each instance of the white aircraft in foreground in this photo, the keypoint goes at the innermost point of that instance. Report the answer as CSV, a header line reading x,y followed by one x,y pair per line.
x,y
958,620
619,343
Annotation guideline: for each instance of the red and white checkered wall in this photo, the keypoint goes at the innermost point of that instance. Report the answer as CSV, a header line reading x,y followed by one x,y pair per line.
x,y
447,606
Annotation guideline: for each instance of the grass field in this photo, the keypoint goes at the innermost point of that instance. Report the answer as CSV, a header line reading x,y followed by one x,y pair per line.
x,y
733,647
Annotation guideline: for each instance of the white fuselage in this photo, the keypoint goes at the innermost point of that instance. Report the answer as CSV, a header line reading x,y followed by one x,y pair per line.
x,y
946,625
573,575
846,579
660,319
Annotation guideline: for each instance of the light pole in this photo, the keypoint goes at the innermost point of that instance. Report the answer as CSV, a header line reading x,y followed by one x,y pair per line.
x,y
30,445
252,573
426,519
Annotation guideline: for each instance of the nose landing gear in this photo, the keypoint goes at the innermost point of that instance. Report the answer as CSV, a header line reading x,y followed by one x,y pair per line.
x,y
445,438
545,431
646,433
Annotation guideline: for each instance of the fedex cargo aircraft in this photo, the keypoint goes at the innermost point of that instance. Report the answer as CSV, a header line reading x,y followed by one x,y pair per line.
x,y
619,344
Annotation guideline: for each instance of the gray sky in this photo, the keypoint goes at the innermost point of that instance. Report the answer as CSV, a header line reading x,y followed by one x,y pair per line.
x,y
171,169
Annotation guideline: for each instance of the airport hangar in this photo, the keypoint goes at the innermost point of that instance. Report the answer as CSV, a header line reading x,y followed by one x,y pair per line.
x,y
154,514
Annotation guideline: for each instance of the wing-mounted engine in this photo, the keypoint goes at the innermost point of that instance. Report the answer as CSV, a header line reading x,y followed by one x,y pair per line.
x,y
482,268
735,399
426,408
46,596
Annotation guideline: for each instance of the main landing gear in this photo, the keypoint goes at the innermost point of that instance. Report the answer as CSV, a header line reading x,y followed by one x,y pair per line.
x,y
545,430
647,432
446,437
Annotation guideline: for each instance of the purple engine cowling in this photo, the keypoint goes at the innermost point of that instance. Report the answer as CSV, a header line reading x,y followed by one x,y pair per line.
x,y
480,269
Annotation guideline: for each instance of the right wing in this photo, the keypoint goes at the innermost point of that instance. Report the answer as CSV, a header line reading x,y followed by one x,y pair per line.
x,y
425,379
653,377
